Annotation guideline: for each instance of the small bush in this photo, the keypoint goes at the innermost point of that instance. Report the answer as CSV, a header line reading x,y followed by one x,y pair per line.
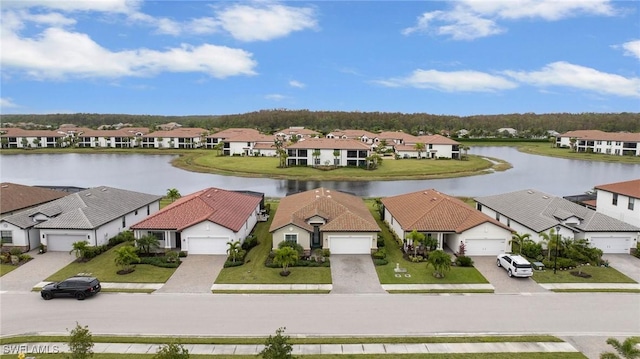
x,y
380,254
25,257
182,254
562,263
126,236
380,262
92,252
326,252
229,263
250,242
158,262
464,261
531,249
380,241
315,264
15,251
302,263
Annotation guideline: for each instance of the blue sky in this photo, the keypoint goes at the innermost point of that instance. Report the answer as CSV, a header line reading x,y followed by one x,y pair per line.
x,y
208,58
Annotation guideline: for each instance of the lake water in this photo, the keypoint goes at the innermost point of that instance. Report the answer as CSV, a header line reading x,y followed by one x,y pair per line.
x,y
154,174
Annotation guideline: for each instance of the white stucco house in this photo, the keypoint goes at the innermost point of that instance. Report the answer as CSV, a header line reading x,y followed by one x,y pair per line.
x,y
449,220
328,152
532,212
620,200
94,215
205,221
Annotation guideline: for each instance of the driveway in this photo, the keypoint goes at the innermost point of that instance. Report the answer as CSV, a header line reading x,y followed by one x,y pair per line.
x,y
626,264
354,273
196,274
500,280
25,277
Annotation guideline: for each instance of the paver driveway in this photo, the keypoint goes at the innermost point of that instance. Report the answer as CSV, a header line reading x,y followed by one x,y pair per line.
x,y
501,281
354,273
196,274
625,264
25,277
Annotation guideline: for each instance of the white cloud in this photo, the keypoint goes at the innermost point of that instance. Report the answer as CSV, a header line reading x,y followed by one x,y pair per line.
x,y
632,48
298,84
115,6
275,97
252,23
6,102
579,77
455,81
58,53
471,19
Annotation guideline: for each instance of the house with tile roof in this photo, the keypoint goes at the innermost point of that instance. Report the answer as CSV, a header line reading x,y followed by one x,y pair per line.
x,y
360,135
205,221
325,218
296,131
328,152
176,138
447,219
93,215
16,197
611,143
125,137
435,146
12,137
620,200
532,212
243,141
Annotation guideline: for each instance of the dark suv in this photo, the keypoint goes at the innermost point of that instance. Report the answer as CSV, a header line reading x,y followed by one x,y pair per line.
x,y
77,287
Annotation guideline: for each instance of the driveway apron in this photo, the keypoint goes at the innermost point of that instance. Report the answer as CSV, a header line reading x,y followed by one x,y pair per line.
x,y
354,274
25,277
625,264
196,274
501,282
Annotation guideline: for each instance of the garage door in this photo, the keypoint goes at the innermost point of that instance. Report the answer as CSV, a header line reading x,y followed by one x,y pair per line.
x,y
612,244
350,244
484,247
207,245
62,242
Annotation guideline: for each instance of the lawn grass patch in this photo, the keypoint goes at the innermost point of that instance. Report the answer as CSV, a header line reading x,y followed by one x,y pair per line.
x,y
6,268
598,275
104,268
441,291
255,272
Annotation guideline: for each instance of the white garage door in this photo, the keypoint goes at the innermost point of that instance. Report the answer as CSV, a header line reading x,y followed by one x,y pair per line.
x,y
350,244
612,244
63,242
207,245
484,247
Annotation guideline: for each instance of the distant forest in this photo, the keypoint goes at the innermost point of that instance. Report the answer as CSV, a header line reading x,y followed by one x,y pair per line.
x,y
269,121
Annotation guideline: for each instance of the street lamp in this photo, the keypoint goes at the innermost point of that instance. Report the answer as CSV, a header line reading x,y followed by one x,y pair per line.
x,y
555,260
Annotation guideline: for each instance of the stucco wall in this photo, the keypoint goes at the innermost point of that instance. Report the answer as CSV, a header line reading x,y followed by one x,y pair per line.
x,y
304,237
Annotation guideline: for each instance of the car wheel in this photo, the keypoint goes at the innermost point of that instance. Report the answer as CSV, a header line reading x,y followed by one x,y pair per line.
x,y
80,296
509,273
498,263
47,296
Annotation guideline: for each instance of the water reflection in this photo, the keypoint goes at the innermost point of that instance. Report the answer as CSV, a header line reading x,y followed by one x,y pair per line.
x,y
154,174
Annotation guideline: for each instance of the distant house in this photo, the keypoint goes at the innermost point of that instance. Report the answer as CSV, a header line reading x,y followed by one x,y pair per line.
x,y
16,197
447,219
533,212
620,200
93,215
296,131
243,141
326,151
327,219
204,222
611,143
508,131
19,138
176,138
125,137
360,135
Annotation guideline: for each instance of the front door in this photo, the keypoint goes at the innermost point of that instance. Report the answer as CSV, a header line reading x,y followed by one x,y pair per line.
x,y
315,242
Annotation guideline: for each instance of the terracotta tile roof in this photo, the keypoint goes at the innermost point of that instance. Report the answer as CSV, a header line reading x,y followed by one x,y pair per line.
x,y
264,146
228,209
14,197
330,143
341,211
437,140
397,135
597,135
627,188
353,134
19,132
298,131
431,210
122,132
178,133
231,133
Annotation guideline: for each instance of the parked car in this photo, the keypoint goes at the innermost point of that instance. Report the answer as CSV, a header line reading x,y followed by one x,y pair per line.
x,y
76,287
515,265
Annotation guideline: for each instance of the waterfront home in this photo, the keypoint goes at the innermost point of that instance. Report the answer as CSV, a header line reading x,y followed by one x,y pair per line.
x,y
620,200
328,152
611,143
182,138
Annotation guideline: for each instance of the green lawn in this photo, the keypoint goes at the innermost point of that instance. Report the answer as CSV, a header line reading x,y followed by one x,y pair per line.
x,y
6,268
255,272
598,275
103,267
420,273
391,169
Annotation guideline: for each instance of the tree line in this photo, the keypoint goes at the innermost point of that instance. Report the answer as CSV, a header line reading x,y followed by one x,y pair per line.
x,y
270,121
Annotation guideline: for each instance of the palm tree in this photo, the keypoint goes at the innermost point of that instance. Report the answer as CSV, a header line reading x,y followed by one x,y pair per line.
x,y
549,239
382,145
419,147
126,255
627,349
466,149
572,142
80,249
173,194
316,157
336,160
519,239
416,239
234,248
218,147
440,261
285,257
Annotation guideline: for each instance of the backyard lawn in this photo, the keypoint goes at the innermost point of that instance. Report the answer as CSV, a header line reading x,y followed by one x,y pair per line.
x,y
255,272
598,275
104,268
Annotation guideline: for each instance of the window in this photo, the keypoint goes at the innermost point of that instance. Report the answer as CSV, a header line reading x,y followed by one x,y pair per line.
x,y
631,203
7,236
615,199
479,207
497,216
124,222
148,210
136,212
158,235
291,237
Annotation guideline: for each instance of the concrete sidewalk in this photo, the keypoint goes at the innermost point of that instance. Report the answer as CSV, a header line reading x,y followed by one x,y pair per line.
x,y
308,349
591,286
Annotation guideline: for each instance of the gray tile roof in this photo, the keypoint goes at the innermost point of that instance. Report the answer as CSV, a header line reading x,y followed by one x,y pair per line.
x,y
88,209
540,211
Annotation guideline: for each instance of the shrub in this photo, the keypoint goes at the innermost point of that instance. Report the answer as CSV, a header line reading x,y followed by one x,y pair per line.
x,y
229,263
326,252
126,236
302,263
293,245
267,207
92,252
315,264
380,254
250,242
416,259
380,241
464,261
25,257
172,351
158,262
182,254
531,249
15,251
562,263
171,256
380,261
